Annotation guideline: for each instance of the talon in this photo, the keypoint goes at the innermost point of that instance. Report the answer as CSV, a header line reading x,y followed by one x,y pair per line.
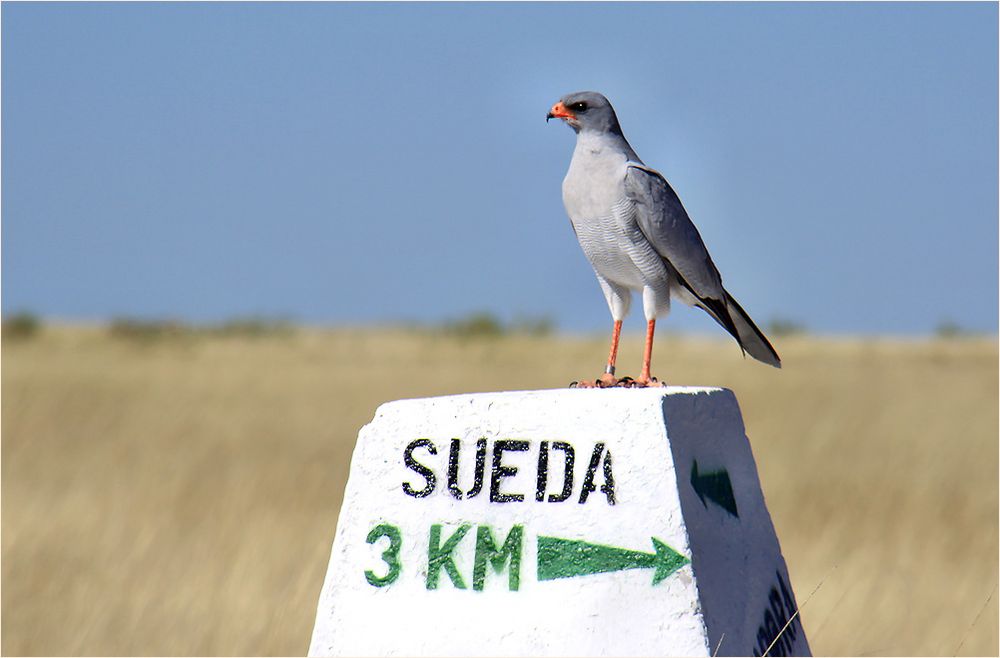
x,y
607,380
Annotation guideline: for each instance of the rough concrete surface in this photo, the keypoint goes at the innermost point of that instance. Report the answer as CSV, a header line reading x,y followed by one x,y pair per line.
x,y
461,533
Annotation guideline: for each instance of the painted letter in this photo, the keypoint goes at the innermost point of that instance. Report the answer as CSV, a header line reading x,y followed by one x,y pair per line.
x,y
608,488
453,463
416,466
390,555
439,556
487,551
567,473
500,471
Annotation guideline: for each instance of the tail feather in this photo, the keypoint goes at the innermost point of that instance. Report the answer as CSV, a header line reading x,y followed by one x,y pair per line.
x,y
735,320
750,338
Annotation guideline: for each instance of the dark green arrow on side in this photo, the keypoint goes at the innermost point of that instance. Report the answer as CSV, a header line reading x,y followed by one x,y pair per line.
x,y
566,558
716,487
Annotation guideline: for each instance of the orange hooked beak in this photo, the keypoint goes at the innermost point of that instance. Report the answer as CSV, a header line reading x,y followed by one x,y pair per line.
x,y
559,111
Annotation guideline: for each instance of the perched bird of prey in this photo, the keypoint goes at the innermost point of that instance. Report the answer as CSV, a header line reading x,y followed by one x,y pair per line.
x,y
637,236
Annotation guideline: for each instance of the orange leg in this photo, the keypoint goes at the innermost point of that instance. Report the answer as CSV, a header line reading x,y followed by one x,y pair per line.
x,y
647,354
608,379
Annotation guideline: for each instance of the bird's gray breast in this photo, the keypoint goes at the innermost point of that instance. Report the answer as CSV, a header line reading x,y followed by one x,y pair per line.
x,y
604,219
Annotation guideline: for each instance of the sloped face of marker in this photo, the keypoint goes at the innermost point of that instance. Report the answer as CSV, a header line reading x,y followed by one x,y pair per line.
x,y
714,486
568,558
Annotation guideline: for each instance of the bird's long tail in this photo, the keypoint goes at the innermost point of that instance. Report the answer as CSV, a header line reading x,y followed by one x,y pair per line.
x,y
736,321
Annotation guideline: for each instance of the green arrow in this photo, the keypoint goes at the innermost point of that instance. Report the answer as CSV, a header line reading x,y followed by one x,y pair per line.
x,y
716,487
566,558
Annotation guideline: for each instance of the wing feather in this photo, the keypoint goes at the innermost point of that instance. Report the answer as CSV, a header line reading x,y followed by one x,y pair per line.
x,y
666,225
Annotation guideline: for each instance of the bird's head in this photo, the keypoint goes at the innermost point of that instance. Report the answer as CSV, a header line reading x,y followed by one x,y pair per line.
x,y
586,111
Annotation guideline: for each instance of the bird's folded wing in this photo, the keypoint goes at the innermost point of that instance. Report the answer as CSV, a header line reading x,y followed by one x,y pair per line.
x,y
663,220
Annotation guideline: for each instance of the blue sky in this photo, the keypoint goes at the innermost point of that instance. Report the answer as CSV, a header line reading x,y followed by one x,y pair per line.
x,y
366,163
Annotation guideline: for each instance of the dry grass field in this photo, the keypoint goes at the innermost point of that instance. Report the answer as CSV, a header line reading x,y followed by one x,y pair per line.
x,y
178,495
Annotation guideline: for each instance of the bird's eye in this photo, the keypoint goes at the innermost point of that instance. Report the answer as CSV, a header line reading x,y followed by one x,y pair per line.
x,y
579,107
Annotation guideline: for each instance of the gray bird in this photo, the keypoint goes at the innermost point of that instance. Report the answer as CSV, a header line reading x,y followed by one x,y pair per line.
x,y
637,236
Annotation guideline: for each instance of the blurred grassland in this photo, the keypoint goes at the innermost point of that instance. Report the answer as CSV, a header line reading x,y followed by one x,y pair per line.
x,y
177,493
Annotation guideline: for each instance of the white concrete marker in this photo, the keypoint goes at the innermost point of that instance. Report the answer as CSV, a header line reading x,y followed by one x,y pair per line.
x,y
550,523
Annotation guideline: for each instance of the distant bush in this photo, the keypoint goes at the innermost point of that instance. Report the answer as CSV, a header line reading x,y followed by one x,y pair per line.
x,y
153,330
476,325
533,326
950,329
22,325
483,324
785,327
255,327
146,330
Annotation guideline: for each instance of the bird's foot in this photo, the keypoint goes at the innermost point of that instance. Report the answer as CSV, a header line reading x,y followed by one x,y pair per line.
x,y
610,381
628,382
606,380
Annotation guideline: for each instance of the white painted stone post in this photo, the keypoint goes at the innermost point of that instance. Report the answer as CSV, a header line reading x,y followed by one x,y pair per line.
x,y
615,522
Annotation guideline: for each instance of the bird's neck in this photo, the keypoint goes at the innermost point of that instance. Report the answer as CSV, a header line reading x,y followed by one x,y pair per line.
x,y
595,143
